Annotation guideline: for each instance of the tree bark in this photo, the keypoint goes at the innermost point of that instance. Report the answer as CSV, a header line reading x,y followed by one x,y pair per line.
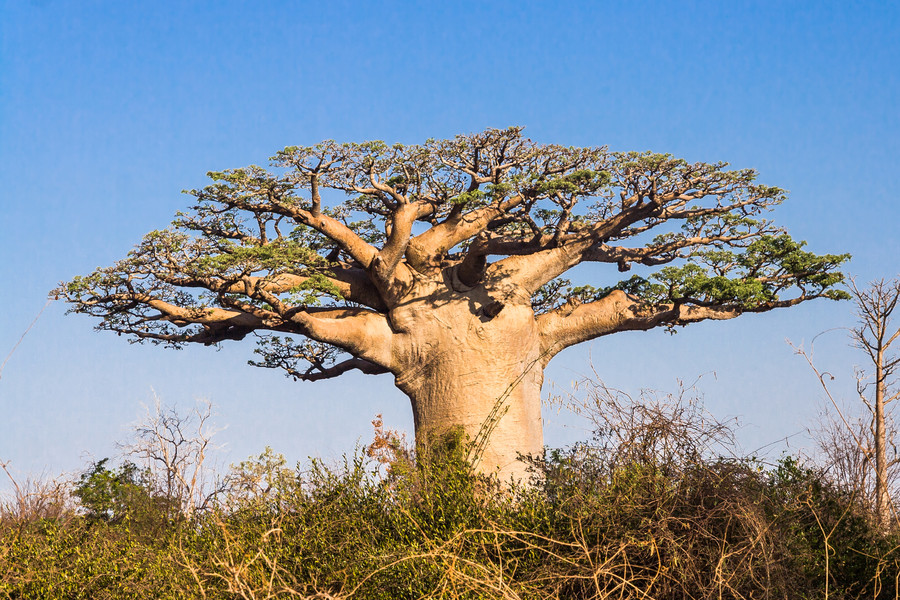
x,y
472,359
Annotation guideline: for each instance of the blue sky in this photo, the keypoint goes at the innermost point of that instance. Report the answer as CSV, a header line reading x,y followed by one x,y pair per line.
x,y
109,109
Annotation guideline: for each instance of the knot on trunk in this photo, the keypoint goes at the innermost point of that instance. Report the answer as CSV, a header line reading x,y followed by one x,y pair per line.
x,y
455,283
493,309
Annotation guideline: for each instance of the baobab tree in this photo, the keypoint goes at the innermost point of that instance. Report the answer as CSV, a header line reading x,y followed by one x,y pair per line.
x,y
443,264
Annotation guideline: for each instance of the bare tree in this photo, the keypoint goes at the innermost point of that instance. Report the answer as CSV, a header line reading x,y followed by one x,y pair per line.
x,y
856,448
877,388
175,449
444,267
846,449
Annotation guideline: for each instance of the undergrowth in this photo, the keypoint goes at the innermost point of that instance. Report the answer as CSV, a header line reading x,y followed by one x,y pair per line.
x,y
651,507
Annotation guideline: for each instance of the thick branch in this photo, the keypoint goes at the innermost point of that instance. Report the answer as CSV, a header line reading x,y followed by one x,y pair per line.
x,y
352,283
384,268
427,249
330,227
359,331
362,333
574,323
183,316
339,369
660,254
531,271
346,238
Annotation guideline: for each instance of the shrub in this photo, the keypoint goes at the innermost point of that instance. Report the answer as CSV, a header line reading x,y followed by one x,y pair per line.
x,y
654,506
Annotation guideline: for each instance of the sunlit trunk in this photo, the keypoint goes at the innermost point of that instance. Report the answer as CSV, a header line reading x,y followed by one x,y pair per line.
x,y
466,367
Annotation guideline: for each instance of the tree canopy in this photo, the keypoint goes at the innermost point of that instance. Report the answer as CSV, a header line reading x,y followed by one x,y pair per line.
x,y
276,252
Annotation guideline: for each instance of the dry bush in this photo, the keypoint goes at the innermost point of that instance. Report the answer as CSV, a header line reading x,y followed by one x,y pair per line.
x,y
665,429
174,448
846,463
647,509
36,499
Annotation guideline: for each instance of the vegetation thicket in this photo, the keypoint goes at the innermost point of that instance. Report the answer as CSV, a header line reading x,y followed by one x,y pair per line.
x,y
655,505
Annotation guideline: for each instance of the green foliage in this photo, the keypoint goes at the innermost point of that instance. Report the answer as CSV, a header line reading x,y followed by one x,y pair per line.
x,y
312,290
276,257
48,561
580,182
122,495
109,495
749,280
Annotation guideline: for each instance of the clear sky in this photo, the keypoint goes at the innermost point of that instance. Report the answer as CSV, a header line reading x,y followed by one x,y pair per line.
x,y
109,109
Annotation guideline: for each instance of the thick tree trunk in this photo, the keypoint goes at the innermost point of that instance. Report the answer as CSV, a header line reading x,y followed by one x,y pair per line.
x,y
499,410
467,365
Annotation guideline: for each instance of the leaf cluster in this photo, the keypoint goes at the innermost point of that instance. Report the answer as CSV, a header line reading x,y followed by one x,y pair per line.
x,y
755,278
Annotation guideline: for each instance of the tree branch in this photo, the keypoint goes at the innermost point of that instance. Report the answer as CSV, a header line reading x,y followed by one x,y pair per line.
x,y
277,203
427,249
352,283
574,323
339,369
361,332
531,271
